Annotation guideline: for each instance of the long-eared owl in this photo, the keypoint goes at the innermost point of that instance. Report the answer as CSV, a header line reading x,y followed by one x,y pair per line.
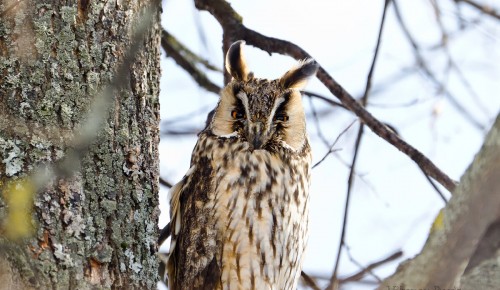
x,y
239,217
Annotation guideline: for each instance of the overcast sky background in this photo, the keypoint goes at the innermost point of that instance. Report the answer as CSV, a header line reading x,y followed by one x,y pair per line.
x,y
393,205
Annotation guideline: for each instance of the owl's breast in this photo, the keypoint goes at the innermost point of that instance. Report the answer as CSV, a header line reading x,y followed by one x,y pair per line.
x,y
261,214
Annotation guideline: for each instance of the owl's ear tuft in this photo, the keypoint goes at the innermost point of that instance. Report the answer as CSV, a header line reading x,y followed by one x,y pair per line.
x,y
236,65
297,77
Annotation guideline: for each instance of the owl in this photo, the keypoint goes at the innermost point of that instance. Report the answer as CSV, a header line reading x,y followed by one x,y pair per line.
x,y
239,217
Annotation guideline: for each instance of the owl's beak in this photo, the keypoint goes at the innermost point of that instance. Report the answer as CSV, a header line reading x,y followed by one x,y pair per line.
x,y
257,134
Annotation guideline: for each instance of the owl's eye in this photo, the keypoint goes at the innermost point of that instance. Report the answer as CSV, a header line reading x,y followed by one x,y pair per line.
x,y
237,114
282,117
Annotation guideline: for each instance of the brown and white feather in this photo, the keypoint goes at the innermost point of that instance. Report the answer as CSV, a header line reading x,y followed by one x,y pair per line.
x,y
240,215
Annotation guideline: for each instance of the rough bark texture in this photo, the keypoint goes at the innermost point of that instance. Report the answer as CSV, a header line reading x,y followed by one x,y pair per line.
x,y
483,270
96,228
471,216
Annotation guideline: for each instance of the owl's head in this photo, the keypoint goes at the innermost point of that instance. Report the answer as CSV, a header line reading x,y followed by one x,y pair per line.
x,y
265,113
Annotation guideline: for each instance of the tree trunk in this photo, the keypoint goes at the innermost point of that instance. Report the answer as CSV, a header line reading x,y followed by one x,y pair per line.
x,y
462,249
95,227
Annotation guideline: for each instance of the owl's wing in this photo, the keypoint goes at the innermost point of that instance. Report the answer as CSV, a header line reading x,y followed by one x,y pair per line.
x,y
192,260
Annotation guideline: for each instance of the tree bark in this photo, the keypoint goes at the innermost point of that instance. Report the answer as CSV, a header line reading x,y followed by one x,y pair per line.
x,y
97,226
463,238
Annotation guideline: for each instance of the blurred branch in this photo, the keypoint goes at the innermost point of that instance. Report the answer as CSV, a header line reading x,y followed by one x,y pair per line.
x,y
423,65
187,60
452,64
355,262
317,123
164,234
457,230
483,8
9,8
187,116
358,276
323,98
309,281
233,29
350,181
164,182
187,53
180,132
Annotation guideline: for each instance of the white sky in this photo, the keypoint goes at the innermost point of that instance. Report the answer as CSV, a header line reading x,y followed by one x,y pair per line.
x,y
393,205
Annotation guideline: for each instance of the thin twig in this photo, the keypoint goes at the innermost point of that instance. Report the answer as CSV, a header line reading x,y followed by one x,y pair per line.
x,y
323,98
358,276
187,116
177,132
483,8
436,188
309,281
173,49
451,62
350,181
331,150
423,65
165,182
317,123
333,279
164,234
231,23
355,262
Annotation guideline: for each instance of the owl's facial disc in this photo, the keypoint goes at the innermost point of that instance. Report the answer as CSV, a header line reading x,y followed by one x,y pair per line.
x,y
256,117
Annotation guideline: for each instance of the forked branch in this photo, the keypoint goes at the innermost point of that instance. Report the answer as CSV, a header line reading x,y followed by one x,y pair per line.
x,y
232,25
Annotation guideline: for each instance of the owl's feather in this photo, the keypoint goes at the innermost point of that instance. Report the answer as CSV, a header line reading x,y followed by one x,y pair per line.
x,y
297,77
193,232
240,214
236,65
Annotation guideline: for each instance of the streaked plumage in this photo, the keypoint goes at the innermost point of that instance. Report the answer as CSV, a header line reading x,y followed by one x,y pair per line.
x,y
239,216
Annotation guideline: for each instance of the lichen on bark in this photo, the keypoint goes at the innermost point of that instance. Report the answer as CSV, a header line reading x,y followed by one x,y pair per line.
x,y
97,226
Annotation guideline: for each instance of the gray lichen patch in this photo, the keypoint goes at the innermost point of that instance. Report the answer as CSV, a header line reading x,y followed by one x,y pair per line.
x,y
13,156
61,255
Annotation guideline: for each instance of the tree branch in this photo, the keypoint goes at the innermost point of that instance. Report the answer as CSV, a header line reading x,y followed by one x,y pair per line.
x,y
232,25
179,53
423,65
483,8
358,276
474,206
309,281
350,181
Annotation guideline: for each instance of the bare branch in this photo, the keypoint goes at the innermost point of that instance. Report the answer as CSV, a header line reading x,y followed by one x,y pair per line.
x,y
331,150
164,234
423,65
317,123
474,206
350,181
435,187
323,98
358,276
232,25
309,281
164,182
180,54
483,8
187,131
